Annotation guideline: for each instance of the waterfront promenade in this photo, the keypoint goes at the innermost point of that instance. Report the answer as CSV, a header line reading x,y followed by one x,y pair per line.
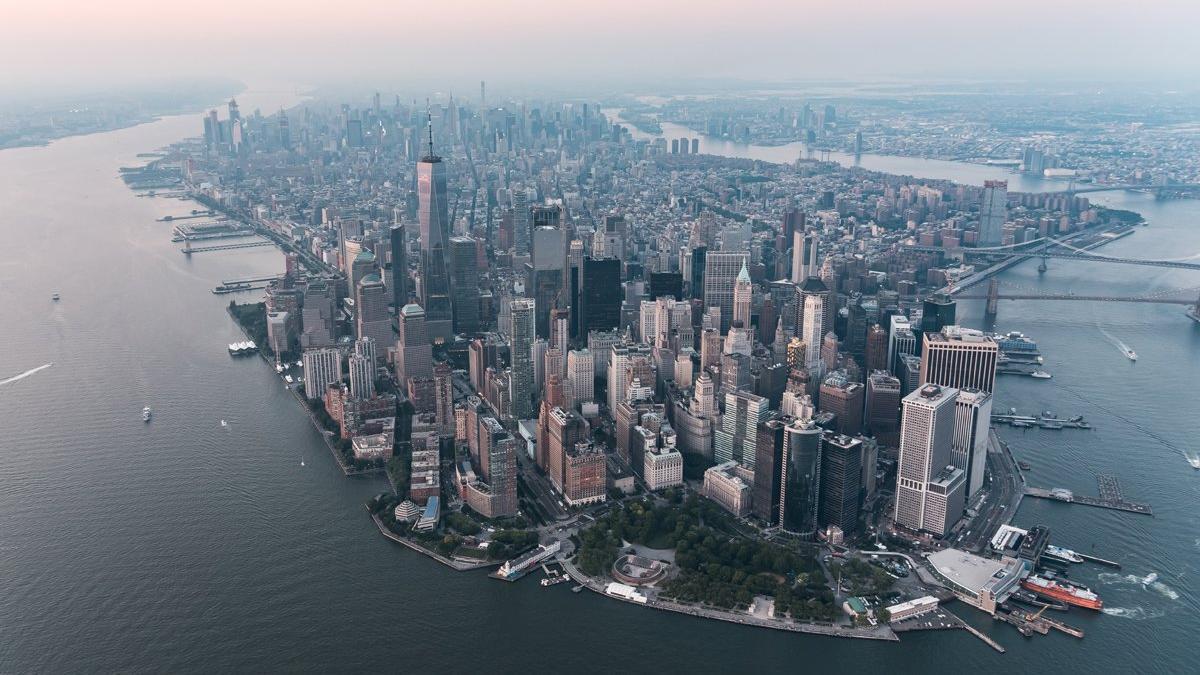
x,y
883,633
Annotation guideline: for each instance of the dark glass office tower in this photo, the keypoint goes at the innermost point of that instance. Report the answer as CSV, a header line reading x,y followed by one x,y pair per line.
x,y
600,299
399,251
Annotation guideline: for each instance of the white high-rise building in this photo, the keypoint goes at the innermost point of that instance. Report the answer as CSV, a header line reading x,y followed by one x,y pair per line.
x,y
815,295
322,367
581,373
930,491
704,397
972,419
721,271
743,297
366,348
362,377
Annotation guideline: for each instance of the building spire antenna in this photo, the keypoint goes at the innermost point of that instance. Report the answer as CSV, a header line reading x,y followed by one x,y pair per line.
x,y
429,125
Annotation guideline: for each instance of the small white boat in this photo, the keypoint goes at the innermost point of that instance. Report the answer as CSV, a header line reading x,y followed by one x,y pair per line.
x,y
224,423
146,413
1041,375
1193,461
1130,354
301,462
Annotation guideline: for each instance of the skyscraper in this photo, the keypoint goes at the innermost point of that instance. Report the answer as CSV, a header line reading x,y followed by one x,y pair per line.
x,y
399,254
317,315
581,374
937,312
768,469
545,272
600,297
362,377
960,358
523,311
464,284
843,398
800,480
522,232
414,356
929,489
993,211
883,406
721,270
736,439
841,481
814,294
433,213
443,392
972,419
371,311
743,297
322,367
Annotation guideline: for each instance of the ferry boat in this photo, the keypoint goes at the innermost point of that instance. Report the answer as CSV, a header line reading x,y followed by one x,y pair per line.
x,y
1068,593
1063,554
146,413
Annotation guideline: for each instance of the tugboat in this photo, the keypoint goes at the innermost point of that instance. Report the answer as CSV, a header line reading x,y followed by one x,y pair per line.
x,y
146,412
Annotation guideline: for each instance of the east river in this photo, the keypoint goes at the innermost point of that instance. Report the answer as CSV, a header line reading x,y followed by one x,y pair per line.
x,y
183,545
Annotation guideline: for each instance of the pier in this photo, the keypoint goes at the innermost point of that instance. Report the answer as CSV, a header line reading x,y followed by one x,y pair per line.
x,y
1099,561
188,249
1110,497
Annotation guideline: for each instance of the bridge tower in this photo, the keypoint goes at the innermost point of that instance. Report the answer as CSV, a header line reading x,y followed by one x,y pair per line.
x,y
1042,265
993,298
187,246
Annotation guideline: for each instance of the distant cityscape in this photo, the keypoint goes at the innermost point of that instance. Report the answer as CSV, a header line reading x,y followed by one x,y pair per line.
x,y
716,386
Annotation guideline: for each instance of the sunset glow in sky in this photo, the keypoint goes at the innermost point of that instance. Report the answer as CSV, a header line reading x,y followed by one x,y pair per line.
x,y
609,40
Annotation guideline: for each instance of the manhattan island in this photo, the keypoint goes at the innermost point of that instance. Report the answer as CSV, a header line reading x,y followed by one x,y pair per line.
x,y
724,387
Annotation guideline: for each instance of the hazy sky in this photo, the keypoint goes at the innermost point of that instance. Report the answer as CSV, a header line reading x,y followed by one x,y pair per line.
x,y
456,42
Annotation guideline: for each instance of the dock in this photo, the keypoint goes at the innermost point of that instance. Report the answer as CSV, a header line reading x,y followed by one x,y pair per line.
x,y
189,249
1099,561
1110,497
977,633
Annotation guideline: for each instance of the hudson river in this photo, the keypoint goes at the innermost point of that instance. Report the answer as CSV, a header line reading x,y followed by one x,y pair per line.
x,y
182,545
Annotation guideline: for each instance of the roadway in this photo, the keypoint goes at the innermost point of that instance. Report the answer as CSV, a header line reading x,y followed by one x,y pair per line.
x,y
1004,490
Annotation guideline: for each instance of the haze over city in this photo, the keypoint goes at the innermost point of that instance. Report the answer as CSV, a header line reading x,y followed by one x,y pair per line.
x,y
621,336
614,44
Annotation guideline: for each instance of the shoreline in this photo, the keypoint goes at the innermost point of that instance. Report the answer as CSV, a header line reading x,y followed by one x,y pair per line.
x,y
347,470
882,633
448,562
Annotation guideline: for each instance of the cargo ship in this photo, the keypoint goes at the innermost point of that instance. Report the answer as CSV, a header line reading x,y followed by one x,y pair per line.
x,y
1064,592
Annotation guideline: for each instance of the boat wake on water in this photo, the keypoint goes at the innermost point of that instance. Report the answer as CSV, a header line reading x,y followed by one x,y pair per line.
x,y
1148,582
1119,344
25,374
1135,613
